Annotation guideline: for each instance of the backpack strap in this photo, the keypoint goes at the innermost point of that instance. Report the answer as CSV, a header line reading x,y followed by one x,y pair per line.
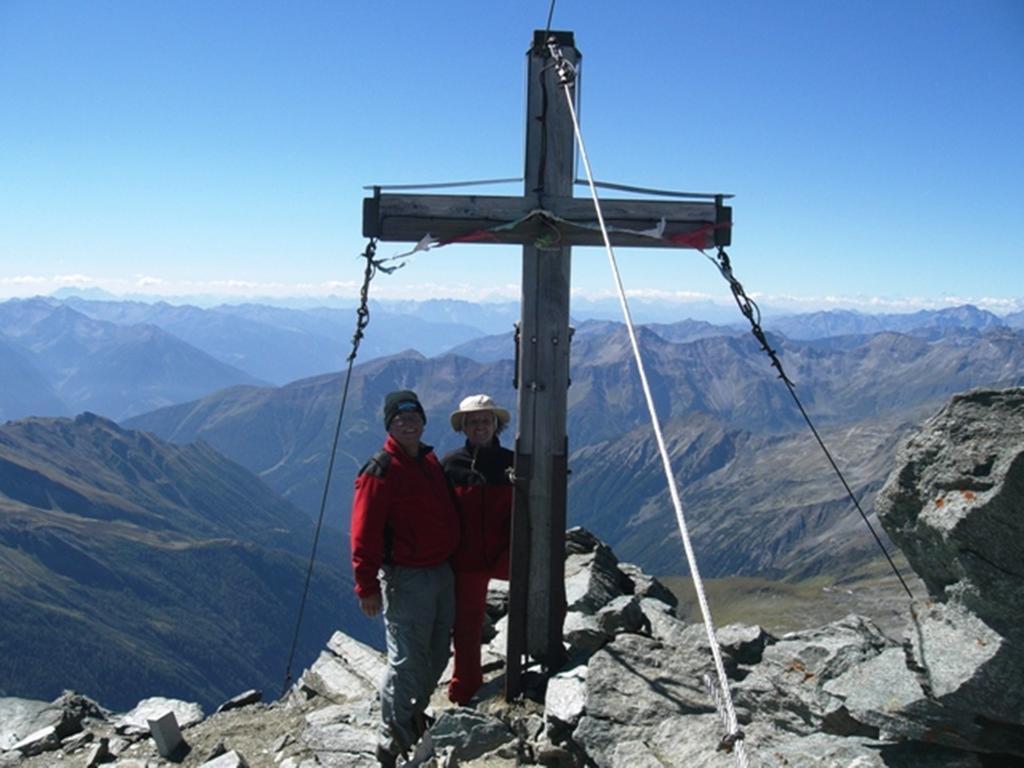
x,y
378,464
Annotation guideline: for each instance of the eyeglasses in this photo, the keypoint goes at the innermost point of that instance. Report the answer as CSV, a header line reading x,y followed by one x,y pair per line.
x,y
483,420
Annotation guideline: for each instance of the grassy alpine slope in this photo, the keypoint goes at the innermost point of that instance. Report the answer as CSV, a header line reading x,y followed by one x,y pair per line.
x,y
129,566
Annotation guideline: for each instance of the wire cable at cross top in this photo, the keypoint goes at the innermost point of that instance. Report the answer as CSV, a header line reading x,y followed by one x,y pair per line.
x,y
362,320
752,312
551,15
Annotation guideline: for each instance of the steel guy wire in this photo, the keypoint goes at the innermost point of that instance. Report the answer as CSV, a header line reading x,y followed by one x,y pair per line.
x,y
750,310
735,735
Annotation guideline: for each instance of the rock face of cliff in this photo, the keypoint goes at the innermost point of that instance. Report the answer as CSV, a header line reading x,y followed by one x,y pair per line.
x,y
945,693
955,506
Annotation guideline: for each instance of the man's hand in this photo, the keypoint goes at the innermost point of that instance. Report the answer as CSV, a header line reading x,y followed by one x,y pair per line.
x,y
370,605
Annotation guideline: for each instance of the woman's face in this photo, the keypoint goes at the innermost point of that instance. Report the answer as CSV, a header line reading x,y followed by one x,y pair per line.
x,y
479,427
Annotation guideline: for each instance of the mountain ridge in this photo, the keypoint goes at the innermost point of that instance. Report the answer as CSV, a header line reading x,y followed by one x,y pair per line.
x,y
100,366
862,393
168,563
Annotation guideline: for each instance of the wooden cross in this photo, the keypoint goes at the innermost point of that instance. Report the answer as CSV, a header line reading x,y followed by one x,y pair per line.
x,y
546,221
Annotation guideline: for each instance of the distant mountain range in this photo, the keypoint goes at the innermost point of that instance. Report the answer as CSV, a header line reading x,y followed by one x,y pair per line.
x,y
121,358
129,565
821,325
58,361
279,345
730,421
123,540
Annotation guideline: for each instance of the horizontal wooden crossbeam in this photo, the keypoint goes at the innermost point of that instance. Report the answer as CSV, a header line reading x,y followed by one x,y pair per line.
x,y
563,220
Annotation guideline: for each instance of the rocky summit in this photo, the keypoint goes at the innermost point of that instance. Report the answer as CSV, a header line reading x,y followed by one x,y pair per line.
x,y
634,692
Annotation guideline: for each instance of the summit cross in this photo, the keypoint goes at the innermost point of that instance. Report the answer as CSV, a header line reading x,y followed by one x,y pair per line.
x,y
547,221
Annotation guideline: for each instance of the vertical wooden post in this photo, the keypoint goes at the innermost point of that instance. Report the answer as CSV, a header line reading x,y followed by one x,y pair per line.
x,y
537,587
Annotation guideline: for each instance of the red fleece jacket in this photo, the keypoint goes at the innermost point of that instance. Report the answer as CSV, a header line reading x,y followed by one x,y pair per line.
x,y
402,516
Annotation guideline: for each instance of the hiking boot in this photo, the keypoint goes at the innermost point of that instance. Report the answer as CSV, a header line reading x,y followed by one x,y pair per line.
x,y
421,723
386,759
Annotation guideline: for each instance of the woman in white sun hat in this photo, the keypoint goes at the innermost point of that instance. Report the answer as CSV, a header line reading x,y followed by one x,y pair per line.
x,y
479,473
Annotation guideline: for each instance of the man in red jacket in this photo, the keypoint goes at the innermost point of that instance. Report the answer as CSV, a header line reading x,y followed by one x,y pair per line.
x,y
404,530
479,472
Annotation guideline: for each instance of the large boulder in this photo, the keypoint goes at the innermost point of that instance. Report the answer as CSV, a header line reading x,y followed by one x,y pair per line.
x,y
187,714
46,722
347,670
955,506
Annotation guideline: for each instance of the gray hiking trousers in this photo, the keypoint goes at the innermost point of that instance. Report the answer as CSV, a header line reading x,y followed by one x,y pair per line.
x,y
419,610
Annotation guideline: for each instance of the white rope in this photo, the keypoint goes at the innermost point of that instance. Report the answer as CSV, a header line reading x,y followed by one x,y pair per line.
x,y
734,736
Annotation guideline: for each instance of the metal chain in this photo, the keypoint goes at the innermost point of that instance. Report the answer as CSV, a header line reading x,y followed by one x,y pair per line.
x,y
363,312
362,320
749,309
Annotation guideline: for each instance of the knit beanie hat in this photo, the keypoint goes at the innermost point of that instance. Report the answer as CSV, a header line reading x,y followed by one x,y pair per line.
x,y
402,400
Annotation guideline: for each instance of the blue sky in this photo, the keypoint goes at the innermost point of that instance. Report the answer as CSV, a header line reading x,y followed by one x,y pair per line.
x,y
176,148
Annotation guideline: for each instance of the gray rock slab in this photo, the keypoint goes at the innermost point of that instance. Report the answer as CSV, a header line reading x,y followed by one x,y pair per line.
x,y
637,686
965,666
347,671
879,692
580,541
814,750
296,762
787,686
960,657
623,614
583,633
745,643
252,696
97,753
19,718
822,750
364,661
186,713
340,738
44,740
665,626
468,733
231,759
645,585
329,715
215,751
677,741
496,648
497,599
955,504
118,744
565,699
593,580
76,742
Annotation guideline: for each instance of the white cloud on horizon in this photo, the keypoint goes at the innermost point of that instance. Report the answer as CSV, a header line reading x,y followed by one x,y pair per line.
x,y
22,286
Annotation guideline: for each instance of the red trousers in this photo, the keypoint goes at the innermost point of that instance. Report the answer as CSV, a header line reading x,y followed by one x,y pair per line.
x,y
470,606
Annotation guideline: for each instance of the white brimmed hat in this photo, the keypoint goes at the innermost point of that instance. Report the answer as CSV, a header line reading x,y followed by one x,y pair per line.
x,y
475,403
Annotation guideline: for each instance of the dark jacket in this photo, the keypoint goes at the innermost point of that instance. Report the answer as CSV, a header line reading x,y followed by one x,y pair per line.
x,y
484,492
402,514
